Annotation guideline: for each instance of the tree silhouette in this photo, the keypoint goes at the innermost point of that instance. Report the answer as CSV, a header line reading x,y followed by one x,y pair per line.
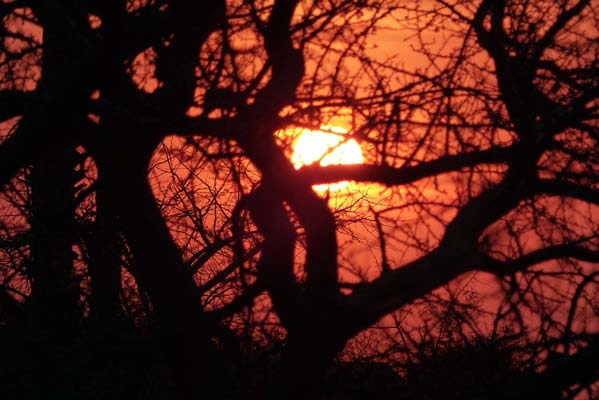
x,y
149,198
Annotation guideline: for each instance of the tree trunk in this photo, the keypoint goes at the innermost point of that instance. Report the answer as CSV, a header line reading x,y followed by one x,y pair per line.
x,y
185,331
104,269
55,292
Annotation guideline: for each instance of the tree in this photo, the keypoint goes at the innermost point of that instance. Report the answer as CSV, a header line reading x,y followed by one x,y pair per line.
x,y
155,136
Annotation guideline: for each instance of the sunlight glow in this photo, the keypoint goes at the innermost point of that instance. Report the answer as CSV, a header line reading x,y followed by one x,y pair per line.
x,y
328,147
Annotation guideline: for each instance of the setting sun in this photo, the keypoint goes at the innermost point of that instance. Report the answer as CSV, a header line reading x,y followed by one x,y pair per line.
x,y
330,148
327,148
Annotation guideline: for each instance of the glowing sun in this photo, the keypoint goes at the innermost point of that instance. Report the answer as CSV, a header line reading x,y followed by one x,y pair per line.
x,y
328,148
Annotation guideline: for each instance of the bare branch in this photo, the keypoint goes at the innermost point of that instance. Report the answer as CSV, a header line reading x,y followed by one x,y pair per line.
x,y
317,174
555,252
15,103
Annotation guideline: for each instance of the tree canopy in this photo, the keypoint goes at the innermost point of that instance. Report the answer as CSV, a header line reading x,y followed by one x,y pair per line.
x,y
152,194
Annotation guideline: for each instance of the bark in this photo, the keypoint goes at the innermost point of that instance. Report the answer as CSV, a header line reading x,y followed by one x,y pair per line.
x,y
104,268
55,292
185,331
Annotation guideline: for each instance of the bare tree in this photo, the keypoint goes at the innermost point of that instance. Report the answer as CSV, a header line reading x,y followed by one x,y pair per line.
x,y
155,136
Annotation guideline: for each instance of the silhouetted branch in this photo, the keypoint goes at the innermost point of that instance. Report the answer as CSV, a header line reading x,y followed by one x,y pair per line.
x,y
317,174
175,67
18,151
579,368
15,103
562,20
567,189
287,63
555,252
275,268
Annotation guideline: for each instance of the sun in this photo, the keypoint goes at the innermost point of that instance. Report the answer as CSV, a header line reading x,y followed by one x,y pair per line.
x,y
329,146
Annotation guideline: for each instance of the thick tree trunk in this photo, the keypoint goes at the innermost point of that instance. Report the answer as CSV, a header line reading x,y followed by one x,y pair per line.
x,y
306,361
55,292
185,331
104,269
57,121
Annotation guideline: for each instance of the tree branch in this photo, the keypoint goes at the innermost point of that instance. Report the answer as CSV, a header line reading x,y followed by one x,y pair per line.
x,y
20,149
567,189
275,269
287,63
457,253
317,174
558,251
577,369
14,103
176,63
559,24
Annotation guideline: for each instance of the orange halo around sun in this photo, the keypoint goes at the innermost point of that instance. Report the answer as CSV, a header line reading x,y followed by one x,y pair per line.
x,y
328,148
